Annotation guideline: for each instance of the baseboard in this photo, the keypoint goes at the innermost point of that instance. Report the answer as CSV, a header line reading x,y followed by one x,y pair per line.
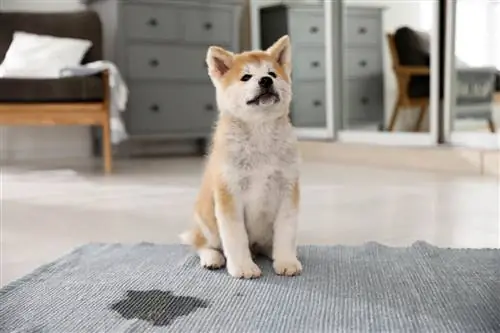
x,y
159,148
44,153
434,159
32,143
449,160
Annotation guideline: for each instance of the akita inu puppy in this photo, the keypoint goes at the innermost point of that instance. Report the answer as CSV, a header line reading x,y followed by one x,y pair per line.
x,y
249,198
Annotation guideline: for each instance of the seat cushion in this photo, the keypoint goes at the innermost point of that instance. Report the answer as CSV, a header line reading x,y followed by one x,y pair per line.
x,y
419,86
67,89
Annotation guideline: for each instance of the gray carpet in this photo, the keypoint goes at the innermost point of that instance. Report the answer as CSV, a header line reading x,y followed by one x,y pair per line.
x,y
161,288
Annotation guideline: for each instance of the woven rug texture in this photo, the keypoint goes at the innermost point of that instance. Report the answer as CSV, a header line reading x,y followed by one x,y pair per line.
x,y
161,288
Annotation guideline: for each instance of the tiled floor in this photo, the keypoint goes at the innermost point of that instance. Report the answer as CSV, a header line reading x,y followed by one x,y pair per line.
x,y
48,213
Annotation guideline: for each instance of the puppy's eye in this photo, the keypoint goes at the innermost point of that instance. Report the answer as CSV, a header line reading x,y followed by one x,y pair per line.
x,y
246,77
273,74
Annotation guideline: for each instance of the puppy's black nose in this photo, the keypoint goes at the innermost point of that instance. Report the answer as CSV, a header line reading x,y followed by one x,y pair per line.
x,y
266,82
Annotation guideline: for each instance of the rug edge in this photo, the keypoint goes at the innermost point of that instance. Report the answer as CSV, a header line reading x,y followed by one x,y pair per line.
x,y
12,285
19,281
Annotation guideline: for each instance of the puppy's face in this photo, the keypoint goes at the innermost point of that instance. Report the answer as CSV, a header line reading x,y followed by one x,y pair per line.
x,y
252,85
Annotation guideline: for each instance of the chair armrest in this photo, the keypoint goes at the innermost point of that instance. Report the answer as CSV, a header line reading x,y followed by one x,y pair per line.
x,y
413,70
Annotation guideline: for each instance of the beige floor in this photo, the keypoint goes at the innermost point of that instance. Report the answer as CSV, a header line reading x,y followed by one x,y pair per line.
x,y
50,211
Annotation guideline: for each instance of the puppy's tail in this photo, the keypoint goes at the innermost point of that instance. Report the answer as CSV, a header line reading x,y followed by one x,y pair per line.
x,y
187,237
193,237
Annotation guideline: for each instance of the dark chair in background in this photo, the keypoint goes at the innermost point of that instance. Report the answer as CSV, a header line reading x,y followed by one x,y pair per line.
x,y
410,52
410,72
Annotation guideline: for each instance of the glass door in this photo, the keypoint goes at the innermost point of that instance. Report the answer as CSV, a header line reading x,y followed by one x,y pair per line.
x,y
390,72
312,51
472,76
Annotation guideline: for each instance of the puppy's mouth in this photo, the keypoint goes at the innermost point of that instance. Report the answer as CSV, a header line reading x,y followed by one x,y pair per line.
x,y
265,97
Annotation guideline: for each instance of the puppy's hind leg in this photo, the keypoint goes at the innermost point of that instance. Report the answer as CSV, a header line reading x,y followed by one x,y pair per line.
x,y
207,246
211,258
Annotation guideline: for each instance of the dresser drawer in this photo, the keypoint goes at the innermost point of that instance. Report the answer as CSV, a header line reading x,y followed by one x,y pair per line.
x,y
170,108
363,62
364,100
308,107
151,22
167,62
309,63
307,27
362,30
208,26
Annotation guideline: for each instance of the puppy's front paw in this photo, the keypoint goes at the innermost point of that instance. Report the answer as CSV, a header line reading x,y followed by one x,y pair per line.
x,y
288,267
211,259
247,270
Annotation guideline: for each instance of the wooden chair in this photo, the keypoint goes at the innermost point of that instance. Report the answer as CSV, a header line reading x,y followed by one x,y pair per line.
x,y
403,75
77,113
57,101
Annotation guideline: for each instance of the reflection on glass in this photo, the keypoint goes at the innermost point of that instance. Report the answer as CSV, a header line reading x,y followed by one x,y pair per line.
x,y
477,64
386,65
304,22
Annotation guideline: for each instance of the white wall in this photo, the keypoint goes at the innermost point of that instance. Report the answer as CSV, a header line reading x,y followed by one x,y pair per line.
x,y
24,143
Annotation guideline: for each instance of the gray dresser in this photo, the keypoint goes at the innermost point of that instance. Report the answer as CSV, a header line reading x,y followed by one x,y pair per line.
x,y
362,53
161,50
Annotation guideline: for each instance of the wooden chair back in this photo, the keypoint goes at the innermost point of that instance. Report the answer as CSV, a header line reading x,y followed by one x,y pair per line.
x,y
394,52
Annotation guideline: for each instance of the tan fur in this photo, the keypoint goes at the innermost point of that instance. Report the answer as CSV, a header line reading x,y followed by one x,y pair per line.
x,y
204,207
296,195
240,60
211,184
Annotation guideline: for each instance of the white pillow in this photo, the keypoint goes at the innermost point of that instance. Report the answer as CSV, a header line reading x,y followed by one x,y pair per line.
x,y
42,56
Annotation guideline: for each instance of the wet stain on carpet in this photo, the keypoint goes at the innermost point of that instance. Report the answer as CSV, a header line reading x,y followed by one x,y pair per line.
x,y
157,307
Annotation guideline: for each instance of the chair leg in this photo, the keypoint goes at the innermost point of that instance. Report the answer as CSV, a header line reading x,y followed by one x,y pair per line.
x,y
491,125
394,116
421,116
107,153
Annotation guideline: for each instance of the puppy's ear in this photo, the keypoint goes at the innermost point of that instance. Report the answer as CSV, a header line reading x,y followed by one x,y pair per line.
x,y
281,51
219,61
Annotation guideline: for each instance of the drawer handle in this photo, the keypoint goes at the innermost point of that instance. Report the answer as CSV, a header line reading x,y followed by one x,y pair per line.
x,y
362,30
362,63
152,22
154,63
314,30
209,107
208,26
365,100
315,64
154,108
317,103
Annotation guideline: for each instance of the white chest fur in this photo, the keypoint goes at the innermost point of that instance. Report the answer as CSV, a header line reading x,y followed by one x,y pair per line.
x,y
261,166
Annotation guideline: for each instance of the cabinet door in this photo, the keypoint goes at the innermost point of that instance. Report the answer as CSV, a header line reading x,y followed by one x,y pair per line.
x,y
307,27
171,108
145,22
364,102
208,26
308,108
169,62
309,63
